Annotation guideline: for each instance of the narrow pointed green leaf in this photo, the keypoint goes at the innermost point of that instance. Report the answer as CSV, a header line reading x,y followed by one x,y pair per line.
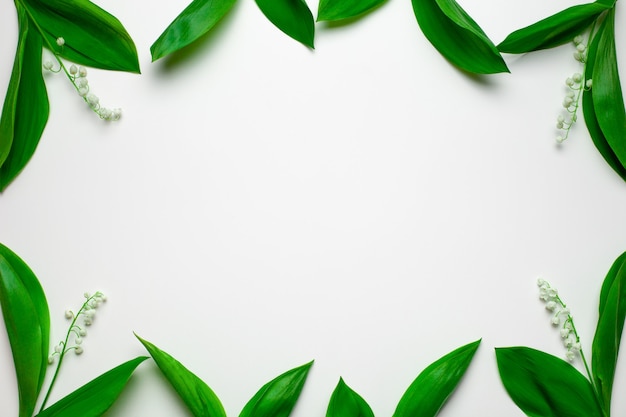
x,y
198,18
278,397
344,402
591,118
25,110
458,37
552,31
97,396
606,92
27,321
93,37
199,398
434,385
329,10
542,385
293,17
608,335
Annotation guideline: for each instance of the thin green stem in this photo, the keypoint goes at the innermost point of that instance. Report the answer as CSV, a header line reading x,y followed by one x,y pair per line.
x,y
65,349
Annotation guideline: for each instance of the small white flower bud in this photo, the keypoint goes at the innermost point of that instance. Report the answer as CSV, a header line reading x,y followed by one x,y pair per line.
x,y
577,77
69,314
88,322
73,69
82,72
50,360
556,321
82,332
589,83
551,306
83,91
60,41
559,125
58,348
78,350
569,82
580,47
48,65
78,341
93,101
570,356
565,333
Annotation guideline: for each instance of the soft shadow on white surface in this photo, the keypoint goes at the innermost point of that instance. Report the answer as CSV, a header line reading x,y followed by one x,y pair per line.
x,y
365,205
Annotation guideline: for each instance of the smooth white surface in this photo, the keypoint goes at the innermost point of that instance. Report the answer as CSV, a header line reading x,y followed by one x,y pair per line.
x,y
365,205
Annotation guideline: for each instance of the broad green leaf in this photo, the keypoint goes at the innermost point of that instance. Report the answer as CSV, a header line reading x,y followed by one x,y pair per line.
x,y
200,399
458,37
27,320
278,397
344,9
293,17
543,385
434,385
591,119
93,37
26,109
197,19
606,92
608,335
344,402
552,31
97,396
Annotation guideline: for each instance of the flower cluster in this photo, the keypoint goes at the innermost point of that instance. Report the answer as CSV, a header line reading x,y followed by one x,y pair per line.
x,y
561,317
78,77
87,313
576,84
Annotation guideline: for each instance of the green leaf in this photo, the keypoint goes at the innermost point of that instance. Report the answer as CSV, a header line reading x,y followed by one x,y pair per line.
x,y
27,320
430,390
608,335
608,102
93,37
543,385
555,30
200,399
26,109
293,17
329,10
97,396
591,119
198,18
457,36
344,402
278,397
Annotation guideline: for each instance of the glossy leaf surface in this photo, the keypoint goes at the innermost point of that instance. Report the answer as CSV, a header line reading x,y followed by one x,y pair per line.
x,y
552,31
430,390
608,335
329,10
591,118
199,398
97,396
608,102
27,321
279,396
198,18
25,110
458,37
93,37
542,385
293,17
344,402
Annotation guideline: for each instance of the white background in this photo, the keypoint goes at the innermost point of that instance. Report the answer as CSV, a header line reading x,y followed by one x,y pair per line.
x,y
364,204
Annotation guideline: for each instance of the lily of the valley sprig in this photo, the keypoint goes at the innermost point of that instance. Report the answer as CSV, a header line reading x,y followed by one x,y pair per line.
x,y
544,385
74,30
591,27
27,322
